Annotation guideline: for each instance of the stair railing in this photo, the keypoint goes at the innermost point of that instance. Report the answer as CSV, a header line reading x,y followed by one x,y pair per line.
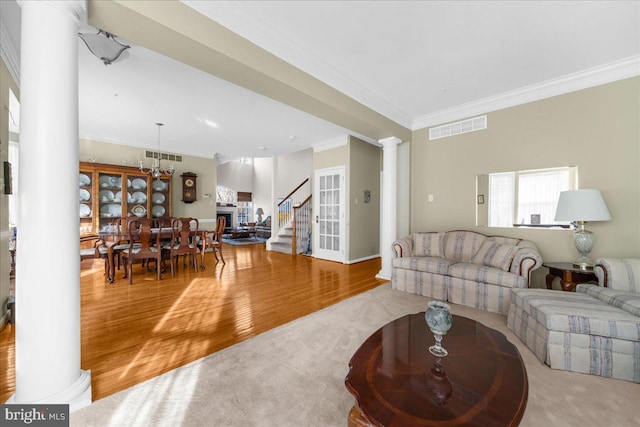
x,y
301,241
293,199
293,211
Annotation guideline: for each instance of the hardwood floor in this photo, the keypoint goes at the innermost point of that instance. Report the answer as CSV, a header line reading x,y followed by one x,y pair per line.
x,y
131,333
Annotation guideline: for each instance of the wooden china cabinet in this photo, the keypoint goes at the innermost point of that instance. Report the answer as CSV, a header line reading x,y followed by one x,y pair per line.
x,y
109,192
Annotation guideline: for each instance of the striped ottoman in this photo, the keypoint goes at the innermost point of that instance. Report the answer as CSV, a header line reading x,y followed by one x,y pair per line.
x,y
582,332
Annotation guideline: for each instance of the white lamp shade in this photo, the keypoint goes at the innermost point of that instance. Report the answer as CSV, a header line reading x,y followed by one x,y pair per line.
x,y
259,211
582,205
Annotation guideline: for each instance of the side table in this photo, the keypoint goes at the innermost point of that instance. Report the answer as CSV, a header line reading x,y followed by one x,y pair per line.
x,y
569,275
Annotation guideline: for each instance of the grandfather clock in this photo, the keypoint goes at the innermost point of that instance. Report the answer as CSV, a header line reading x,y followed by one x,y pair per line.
x,y
189,187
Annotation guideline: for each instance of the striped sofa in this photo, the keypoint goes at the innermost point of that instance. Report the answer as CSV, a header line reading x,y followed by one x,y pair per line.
x,y
464,267
595,330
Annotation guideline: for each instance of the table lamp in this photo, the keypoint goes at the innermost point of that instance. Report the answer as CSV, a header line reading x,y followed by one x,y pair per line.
x,y
582,206
259,212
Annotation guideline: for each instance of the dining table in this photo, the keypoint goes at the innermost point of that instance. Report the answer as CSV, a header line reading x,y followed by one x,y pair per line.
x,y
113,237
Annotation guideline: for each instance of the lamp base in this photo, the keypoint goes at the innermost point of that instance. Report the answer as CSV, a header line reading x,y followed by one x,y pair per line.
x,y
583,239
583,263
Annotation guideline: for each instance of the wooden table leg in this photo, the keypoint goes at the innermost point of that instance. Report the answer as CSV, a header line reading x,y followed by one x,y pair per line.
x,y
111,271
356,418
549,280
566,282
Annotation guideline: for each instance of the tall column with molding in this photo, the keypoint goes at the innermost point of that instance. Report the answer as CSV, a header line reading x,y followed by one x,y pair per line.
x,y
388,221
48,263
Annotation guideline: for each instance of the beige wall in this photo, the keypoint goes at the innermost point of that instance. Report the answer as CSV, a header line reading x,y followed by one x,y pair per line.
x,y
338,156
364,218
291,170
237,176
203,208
6,84
595,129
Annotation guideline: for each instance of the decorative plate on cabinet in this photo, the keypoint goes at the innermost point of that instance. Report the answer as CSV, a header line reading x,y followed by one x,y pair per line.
x,y
84,195
158,185
157,211
158,198
139,184
138,197
106,196
139,211
84,180
85,210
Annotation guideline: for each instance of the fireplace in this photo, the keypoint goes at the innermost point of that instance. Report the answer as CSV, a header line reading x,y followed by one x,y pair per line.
x,y
228,216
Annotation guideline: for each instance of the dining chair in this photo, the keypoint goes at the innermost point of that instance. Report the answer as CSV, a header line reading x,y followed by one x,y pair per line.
x,y
213,240
94,247
163,221
183,242
144,245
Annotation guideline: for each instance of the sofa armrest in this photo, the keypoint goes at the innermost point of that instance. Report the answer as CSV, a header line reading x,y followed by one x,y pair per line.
x,y
525,261
403,247
620,274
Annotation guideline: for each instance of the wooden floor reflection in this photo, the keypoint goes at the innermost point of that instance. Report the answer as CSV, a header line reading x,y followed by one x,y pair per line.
x,y
131,333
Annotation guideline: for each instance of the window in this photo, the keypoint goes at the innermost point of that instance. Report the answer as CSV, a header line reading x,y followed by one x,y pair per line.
x,y
245,207
527,198
225,195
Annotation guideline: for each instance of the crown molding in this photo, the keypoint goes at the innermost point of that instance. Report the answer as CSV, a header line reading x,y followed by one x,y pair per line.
x,y
8,53
607,73
233,16
330,144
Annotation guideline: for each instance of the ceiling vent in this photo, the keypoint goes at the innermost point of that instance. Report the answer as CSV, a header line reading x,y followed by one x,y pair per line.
x,y
463,126
165,156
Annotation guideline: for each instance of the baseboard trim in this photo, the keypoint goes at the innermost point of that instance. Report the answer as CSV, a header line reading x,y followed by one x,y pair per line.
x,y
367,258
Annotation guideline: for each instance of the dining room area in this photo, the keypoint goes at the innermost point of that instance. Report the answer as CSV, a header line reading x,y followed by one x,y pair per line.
x,y
133,332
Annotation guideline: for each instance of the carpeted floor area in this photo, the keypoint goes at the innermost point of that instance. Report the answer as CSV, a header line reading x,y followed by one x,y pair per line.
x,y
244,241
294,375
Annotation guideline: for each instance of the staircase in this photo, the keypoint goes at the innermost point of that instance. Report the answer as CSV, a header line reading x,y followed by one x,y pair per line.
x,y
294,222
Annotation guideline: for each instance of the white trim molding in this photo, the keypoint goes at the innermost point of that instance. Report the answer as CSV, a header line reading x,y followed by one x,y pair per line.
x,y
607,73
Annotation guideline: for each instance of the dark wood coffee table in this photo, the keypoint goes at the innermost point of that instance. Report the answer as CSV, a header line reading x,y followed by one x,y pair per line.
x,y
397,382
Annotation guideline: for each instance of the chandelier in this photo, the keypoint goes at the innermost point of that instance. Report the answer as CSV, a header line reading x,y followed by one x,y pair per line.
x,y
157,170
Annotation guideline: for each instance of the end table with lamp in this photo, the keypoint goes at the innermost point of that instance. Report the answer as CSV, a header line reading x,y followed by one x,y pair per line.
x,y
581,206
569,275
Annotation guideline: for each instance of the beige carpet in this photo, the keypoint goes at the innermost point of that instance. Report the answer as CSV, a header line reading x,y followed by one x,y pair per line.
x,y
294,375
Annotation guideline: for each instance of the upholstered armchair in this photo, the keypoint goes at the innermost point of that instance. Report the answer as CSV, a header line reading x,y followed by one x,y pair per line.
x,y
618,274
263,229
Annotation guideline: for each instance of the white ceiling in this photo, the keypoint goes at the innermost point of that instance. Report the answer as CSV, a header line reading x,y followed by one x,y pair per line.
x,y
408,60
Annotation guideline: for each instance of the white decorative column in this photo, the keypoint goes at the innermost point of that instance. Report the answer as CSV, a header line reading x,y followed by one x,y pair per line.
x,y
48,262
389,202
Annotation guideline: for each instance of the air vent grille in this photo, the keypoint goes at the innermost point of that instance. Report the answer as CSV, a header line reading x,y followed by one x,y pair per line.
x,y
164,156
463,126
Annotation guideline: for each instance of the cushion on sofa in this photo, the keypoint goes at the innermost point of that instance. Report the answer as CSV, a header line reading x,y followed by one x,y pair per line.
x,y
484,274
425,264
496,255
428,244
624,300
461,246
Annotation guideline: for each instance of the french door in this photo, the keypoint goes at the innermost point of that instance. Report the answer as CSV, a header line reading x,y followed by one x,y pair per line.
x,y
329,220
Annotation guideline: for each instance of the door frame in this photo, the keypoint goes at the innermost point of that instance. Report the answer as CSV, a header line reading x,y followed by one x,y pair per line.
x,y
341,256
